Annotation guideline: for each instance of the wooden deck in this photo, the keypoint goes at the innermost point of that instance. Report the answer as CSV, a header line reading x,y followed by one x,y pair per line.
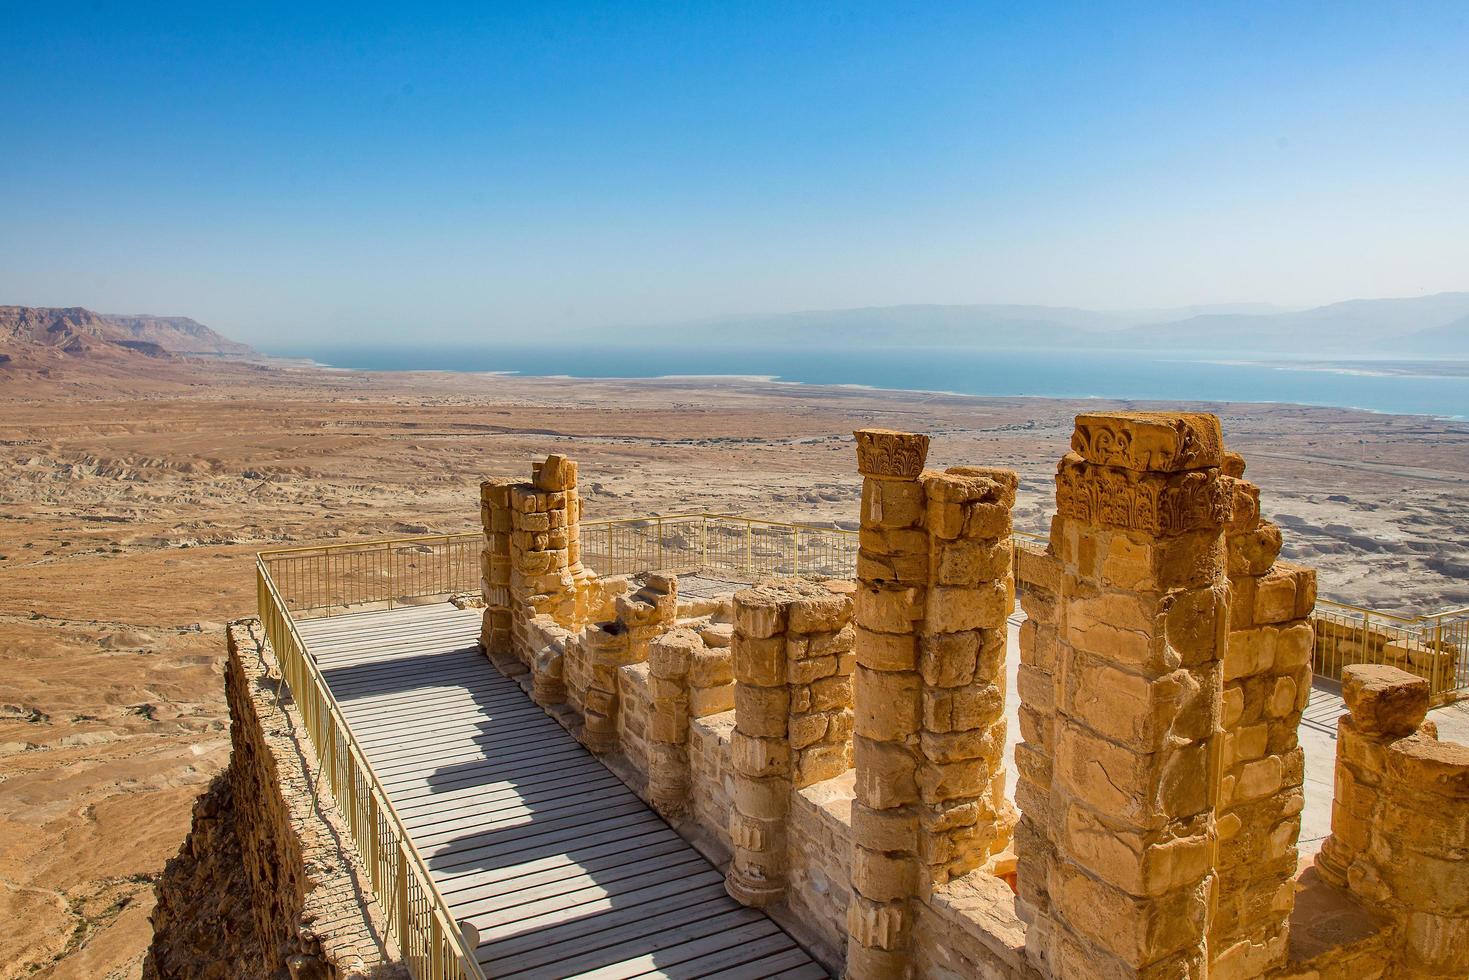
x,y
562,869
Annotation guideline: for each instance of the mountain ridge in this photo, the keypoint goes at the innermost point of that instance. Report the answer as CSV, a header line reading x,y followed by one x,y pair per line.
x,y
1369,326
76,330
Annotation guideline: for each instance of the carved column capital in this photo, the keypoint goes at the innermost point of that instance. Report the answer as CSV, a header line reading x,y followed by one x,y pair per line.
x,y
1151,502
886,454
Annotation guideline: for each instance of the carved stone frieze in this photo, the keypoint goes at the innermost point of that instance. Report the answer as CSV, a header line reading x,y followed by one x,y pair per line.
x,y
1159,504
1246,510
1163,442
887,454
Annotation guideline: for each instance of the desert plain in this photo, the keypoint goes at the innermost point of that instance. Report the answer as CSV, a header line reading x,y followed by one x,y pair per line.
x,y
135,491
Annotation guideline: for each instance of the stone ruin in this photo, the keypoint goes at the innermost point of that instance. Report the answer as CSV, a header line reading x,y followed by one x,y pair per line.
x,y
838,746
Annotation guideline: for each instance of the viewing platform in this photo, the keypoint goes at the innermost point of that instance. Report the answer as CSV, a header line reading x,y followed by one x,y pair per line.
x,y
675,746
549,865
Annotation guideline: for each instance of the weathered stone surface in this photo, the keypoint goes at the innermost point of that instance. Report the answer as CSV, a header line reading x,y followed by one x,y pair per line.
x,y
1162,442
1384,700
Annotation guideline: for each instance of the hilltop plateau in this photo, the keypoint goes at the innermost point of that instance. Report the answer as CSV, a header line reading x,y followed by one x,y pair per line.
x,y
135,489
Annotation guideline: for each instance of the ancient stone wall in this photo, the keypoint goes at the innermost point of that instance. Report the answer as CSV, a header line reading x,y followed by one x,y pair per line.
x,y
819,848
268,882
969,928
1164,664
793,718
711,775
1400,822
642,616
531,567
692,676
1267,680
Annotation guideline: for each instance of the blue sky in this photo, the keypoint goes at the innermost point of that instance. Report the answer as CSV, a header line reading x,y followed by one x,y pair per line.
x,y
477,171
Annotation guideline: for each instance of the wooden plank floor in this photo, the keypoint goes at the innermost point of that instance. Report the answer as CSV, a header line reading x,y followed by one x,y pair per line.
x,y
562,869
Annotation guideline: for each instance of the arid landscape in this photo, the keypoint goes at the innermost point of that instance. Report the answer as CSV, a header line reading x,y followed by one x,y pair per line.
x,y
137,486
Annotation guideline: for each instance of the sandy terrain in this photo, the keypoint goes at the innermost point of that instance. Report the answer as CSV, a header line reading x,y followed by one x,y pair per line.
x,y
132,500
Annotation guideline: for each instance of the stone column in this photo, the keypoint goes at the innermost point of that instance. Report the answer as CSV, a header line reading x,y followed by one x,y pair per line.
x,y
546,576
494,509
540,580
892,588
647,613
963,817
1143,617
1267,679
793,718
935,586
690,679
1400,820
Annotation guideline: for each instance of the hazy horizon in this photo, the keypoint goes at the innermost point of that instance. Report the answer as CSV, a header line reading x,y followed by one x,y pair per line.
x,y
291,175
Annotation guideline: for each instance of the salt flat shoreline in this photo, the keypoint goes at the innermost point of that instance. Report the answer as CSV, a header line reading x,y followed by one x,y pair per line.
x,y
1436,389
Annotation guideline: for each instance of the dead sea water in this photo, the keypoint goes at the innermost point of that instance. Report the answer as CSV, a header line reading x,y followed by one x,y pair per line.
x,y
1379,386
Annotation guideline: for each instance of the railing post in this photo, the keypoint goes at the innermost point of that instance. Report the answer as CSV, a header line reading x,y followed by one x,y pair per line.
x,y
703,542
1366,643
659,533
749,547
405,914
796,550
436,965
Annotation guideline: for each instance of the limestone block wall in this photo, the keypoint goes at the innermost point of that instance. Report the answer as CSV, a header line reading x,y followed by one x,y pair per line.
x,y
1400,821
969,928
711,774
540,576
1164,666
1036,682
1133,650
820,858
635,716
1267,680
641,617
792,653
689,679
531,569
550,647
267,884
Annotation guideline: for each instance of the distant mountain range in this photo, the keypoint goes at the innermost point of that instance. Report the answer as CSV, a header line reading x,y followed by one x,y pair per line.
x,y
1427,325
77,331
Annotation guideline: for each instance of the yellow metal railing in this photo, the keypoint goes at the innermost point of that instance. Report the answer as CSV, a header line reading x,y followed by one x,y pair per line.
x,y
324,579
719,545
433,945
1433,646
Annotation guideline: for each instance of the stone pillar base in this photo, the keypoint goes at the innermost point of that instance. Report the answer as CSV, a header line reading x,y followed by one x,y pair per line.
x,y
547,691
507,663
751,892
599,734
668,787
